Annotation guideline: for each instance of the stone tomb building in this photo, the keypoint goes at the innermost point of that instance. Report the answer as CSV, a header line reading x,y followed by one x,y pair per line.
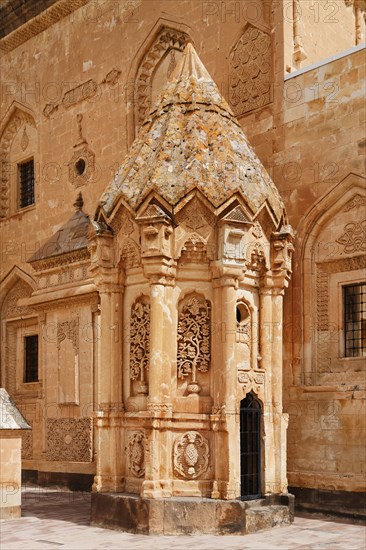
x,y
146,334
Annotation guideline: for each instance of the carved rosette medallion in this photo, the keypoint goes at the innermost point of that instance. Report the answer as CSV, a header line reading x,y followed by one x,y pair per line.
x,y
194,345
136,454
190,455
140,343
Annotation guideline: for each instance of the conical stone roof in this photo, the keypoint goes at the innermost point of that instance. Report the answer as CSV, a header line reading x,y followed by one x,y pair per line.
x,y
191,139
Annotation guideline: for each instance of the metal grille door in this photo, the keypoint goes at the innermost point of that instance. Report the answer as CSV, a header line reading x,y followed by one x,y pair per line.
x,y
250,447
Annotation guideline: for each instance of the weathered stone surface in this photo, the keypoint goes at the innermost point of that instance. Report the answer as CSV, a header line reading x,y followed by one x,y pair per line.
x,y
185,516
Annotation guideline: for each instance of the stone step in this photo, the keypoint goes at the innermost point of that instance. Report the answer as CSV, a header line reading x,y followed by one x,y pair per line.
x,y
265,517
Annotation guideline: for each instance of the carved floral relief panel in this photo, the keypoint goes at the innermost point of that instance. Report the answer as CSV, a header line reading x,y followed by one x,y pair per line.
x,y
194,340
140,345
68,361
136,453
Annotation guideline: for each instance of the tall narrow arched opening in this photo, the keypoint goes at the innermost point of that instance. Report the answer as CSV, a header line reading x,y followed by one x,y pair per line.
x,y
250,447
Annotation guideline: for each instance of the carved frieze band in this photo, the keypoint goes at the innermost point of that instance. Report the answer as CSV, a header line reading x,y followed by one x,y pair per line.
x,y
69,439
190,455
251,380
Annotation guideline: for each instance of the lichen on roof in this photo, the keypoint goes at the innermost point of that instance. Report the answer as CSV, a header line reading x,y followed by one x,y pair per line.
x,y
191,139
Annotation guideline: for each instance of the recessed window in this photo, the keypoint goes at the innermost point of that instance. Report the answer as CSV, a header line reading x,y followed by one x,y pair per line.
x,y
354,307
31,358
26,183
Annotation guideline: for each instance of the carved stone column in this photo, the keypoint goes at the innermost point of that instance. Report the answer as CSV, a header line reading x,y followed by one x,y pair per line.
x,y
161,272
281,253
108,378
226,280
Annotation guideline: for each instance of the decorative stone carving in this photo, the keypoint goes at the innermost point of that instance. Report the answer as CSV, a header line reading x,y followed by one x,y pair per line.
x,y
250,71
112,77
166,41
84,91
257,230
130,256
251,380
10,308
159,408
82,162
257,258
190,455
344,264
24,142
136,454
69,330
11,359
322,321
194,342
195,215
355,202
140,343
194,250
69,439
353,238
49,108
27,444
17,121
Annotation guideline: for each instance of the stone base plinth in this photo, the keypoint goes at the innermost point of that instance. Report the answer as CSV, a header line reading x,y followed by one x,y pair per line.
x,y
189,515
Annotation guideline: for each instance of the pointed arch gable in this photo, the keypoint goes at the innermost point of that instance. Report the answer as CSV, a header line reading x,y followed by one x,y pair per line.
x,y
324,266
17,116
13,276
165,36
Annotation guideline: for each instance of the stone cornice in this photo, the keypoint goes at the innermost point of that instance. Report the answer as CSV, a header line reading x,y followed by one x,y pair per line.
x,y
41,22
52,15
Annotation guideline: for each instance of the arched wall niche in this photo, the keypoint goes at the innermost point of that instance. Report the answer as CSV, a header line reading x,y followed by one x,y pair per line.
x,y
17,321
153,65
18,144
194,335
332,239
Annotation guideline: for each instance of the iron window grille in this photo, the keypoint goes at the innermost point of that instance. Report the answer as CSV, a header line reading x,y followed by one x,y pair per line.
x,y
250,447
26,183
354,307
31,358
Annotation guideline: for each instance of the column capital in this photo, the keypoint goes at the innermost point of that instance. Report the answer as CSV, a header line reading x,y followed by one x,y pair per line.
x,y
160,270
225,275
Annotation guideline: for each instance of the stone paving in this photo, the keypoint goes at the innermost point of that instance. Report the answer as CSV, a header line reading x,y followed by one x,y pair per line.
x,y
53,519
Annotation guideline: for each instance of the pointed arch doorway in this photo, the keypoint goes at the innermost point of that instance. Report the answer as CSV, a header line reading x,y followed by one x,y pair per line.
x,y
250,447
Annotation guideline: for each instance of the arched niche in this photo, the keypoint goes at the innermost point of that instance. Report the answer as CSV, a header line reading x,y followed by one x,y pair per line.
x,y
18,145
333,245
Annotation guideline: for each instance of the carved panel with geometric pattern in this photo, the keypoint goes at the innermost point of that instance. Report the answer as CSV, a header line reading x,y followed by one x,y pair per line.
x,y
69,439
